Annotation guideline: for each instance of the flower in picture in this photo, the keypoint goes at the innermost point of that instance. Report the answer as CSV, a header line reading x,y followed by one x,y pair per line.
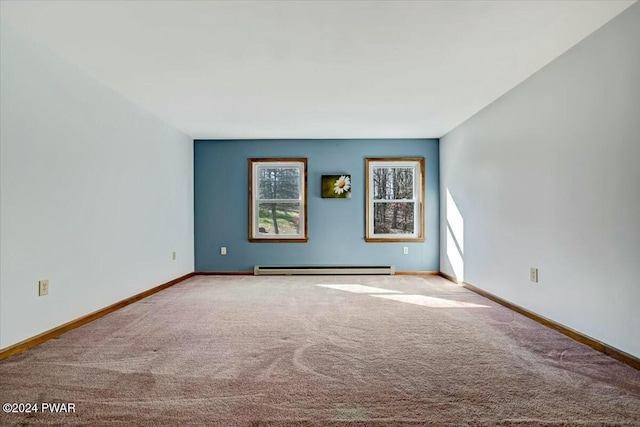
x,y
342,184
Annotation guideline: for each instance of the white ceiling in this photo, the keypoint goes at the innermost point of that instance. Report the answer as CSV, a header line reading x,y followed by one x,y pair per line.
x,y
310,69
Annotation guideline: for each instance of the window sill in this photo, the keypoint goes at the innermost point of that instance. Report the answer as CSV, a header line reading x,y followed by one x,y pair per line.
x,y
393,239
268,240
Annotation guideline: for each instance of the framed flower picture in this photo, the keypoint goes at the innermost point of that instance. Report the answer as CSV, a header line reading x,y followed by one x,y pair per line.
x,y
336,186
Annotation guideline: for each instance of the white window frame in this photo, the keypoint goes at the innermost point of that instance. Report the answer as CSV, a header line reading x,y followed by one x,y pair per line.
x,y
254,201
417,164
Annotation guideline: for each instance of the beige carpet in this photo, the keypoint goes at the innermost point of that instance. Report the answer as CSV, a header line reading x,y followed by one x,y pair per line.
x,y
285,351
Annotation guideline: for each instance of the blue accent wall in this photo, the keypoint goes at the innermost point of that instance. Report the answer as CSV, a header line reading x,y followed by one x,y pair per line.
x,y
336,226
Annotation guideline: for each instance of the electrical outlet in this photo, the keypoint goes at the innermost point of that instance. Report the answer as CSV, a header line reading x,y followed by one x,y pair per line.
x,y
405,250
533,275
43,287
223,250
173,255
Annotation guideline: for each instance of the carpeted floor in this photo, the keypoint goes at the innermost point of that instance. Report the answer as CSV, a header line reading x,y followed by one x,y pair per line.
x,y
319,351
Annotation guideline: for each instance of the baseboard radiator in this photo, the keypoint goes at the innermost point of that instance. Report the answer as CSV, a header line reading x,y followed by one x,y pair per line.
x,y
261,270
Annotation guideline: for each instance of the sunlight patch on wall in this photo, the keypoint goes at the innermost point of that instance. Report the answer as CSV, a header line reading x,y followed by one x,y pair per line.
x,y
455,237
455,221
455,258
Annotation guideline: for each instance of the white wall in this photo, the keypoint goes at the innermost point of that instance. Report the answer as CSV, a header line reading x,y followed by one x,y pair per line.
x,y
95,194
548,176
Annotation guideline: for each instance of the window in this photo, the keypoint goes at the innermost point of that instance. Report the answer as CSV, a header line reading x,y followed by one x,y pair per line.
x,y
278,200
394,210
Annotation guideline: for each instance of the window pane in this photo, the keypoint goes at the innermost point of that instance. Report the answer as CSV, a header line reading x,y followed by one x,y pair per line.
x,y
393,218
392,183
278,218
279,183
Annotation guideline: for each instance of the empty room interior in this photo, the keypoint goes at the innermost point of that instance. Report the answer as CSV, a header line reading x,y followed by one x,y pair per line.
x,y
320,213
